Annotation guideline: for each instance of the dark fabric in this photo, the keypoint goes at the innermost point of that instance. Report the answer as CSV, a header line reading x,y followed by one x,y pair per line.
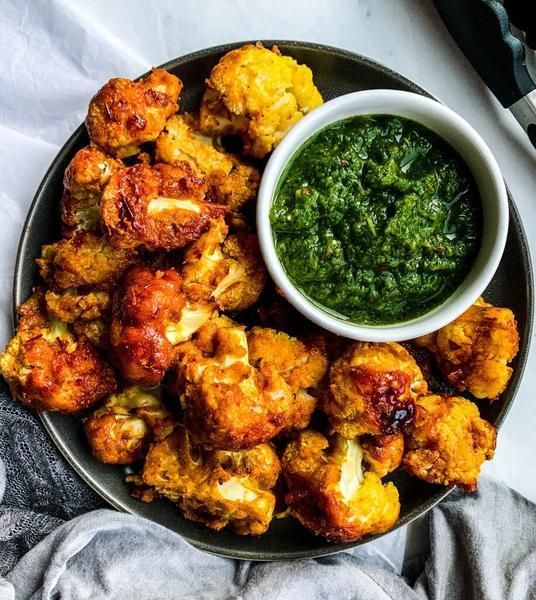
x,y
42,491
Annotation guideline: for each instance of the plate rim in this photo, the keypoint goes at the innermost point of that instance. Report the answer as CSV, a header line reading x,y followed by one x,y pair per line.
x,y
267,555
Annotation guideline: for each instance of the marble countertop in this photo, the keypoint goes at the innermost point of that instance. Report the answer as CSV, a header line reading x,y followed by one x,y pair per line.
x,y
125,38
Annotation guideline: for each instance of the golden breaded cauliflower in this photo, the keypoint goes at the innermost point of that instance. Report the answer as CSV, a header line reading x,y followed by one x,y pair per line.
x,y
84,180
70,305
124,114
89,313
97,331
230,180
382,453
120,431
473,351
229,404
227,270
84,259
218,489
449,441
258,94
150,315
159,207
47,368
372,389
302,364
329,493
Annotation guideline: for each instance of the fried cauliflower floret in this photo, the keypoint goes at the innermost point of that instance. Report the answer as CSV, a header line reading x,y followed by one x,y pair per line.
x,y
228,403
219,489
70,305
47,368
89,313
124,114
473,351
120,431
258,94
97,331
159,207
330,494
230,180
226,270
449,441
85,178
246,276
372,389
150,315
382,453
302,364
83,259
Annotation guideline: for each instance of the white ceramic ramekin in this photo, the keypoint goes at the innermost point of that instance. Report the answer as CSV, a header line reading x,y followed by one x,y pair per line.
x,y
461,136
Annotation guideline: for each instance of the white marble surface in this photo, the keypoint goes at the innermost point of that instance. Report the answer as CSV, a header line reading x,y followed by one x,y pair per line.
x,y
93,40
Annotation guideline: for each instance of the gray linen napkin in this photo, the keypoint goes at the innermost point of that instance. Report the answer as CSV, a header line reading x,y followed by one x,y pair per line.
x,y
483,546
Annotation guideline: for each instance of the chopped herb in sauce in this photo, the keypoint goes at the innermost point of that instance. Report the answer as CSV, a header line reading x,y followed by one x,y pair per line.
x,y
376,219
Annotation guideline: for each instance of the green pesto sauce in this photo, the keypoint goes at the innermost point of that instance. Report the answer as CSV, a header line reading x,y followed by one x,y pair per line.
x,y
376,219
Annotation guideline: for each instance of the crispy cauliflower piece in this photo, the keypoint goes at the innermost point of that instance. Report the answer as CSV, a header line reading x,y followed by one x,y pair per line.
x,y
150,315
246,277
97,331
372,389
258,94
85,178
70,305
120,431
204,265
382,453
302,364
228,403
330,494
473,351
218,489
449,441
159,207
124,114
47,368
230,180
226,270
87,313
83,259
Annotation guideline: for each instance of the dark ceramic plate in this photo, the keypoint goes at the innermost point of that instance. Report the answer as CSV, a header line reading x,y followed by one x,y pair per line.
x,y
336,72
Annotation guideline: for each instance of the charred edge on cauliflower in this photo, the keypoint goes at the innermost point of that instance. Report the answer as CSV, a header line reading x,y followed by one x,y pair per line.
x,y
159,207
124,114
372,390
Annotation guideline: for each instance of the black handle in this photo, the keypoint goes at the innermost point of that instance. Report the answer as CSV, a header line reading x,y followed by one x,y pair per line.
x,y
482,30
522,14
